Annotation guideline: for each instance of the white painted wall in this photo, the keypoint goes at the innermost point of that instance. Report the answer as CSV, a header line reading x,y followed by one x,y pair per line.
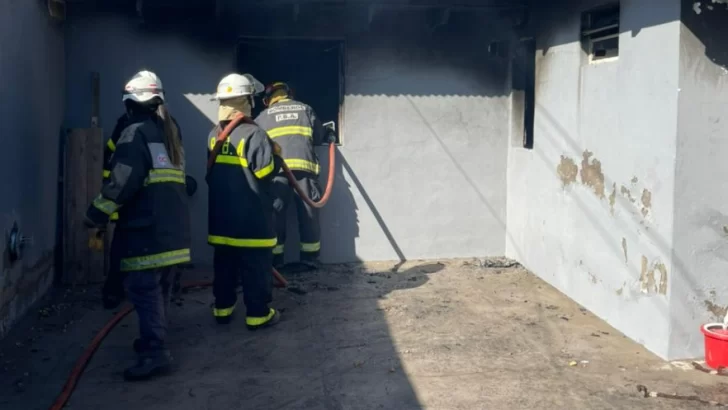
x,y
423,167
700,292
598,247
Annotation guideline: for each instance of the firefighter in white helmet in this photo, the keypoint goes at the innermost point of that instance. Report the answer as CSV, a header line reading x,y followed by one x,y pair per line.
x,y
241,166
146,187
113,289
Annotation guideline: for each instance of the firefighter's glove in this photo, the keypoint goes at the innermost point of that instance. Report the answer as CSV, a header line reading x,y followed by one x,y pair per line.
x,y
331,137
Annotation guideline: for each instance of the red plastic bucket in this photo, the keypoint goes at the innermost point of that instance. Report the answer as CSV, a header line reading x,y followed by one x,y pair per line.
x,y
716,345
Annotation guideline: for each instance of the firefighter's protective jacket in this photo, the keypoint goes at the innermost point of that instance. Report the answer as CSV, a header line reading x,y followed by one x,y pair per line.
x,y
148,192
240,207
296,128
110,147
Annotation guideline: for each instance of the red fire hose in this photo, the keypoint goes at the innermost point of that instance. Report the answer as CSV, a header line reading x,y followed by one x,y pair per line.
x,y
88,353
281,282
329,183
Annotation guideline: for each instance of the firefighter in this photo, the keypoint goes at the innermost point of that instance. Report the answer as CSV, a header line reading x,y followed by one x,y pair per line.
x,y
296,128
240,210
113,289
146,187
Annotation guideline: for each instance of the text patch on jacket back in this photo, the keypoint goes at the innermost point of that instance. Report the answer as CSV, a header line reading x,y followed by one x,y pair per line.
x,y
287,117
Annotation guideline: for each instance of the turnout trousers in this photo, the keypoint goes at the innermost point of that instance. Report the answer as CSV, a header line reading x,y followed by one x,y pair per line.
x,y
308,216
252,268
149,292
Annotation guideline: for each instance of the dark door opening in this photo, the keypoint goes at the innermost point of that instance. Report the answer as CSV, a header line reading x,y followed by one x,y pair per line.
x,y
312,68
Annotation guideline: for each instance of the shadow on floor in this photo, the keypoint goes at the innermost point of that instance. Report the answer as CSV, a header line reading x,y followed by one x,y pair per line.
x,y
441,335
332,350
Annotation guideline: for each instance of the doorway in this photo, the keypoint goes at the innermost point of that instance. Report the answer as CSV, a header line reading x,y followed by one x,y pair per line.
x,y
313,69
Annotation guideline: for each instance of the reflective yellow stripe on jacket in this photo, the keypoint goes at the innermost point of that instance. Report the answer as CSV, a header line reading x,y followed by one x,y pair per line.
x,y
107,173
239,159
241,243
115,215
302,165
290,130
104,205
159,260
157,176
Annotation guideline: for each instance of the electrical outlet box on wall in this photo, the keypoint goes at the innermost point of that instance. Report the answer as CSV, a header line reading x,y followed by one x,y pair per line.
x,y
57,9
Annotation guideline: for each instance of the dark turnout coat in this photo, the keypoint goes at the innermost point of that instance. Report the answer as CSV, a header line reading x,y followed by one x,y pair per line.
x,y
240,207
148,193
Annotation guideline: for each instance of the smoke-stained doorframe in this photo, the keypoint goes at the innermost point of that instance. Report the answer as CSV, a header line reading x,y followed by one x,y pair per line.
x,y
278,44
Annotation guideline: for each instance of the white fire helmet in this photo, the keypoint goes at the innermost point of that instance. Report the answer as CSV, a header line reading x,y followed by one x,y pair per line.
x,y
237,85
143,87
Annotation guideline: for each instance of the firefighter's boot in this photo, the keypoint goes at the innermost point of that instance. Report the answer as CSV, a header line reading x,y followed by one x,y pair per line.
x,y
152,362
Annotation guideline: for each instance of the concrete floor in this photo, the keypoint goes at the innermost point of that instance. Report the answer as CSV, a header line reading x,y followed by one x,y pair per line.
x,y
435,335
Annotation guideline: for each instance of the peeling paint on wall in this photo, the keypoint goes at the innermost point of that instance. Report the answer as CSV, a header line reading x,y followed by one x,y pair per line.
x,y
624,249
647,278
592,176
663,278
591,173
646,202
627,194
613,198
718,311
648,283
567,171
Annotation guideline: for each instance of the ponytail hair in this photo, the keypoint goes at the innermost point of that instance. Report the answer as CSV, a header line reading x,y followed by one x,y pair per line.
x,y
172,142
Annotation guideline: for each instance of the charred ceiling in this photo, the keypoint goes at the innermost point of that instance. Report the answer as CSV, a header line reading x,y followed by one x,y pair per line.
x,y
332,18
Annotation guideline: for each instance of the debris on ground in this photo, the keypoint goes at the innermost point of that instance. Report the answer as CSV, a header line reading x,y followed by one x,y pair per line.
x,y
495,262
721,371
647,393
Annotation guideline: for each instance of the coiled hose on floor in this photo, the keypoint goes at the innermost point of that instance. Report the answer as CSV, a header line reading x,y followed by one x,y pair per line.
x,y
281,282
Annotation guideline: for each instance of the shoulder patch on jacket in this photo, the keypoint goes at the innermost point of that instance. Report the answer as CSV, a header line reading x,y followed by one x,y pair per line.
x,y
160,158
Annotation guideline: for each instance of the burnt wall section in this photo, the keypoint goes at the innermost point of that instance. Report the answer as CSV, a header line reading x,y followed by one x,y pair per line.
x,y
590,206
